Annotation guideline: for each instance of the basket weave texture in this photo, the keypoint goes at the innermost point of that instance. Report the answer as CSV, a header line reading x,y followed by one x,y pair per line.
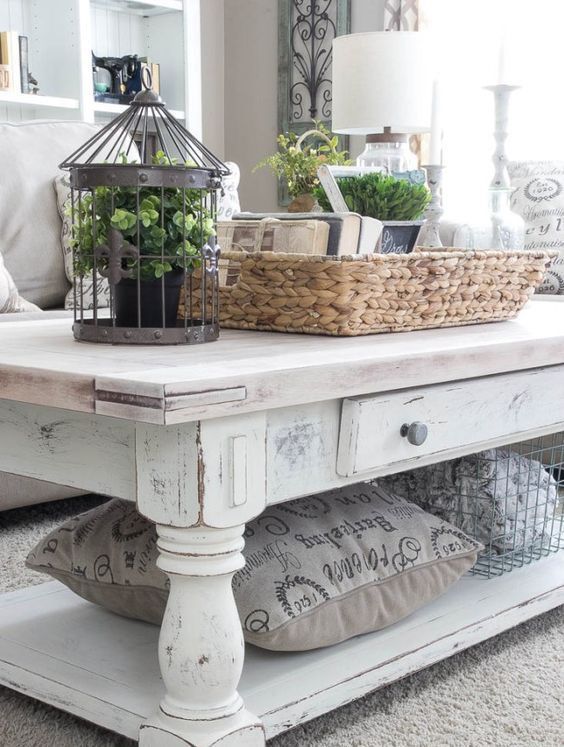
x,y
369,294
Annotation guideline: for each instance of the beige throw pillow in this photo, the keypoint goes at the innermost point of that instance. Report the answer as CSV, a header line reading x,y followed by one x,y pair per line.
x,y
319,570
10,299
63,193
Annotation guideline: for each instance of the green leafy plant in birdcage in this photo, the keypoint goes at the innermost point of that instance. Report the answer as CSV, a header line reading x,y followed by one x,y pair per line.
x,y
172,223
380,196
297,164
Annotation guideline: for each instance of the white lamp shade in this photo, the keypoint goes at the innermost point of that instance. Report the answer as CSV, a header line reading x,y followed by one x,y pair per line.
x,y
382,79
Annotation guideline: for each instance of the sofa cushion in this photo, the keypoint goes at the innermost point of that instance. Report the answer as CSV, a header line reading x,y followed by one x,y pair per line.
x,y
319,570
538,197
30,226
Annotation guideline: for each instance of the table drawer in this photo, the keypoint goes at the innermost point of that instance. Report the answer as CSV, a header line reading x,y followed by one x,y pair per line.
x,y
403,426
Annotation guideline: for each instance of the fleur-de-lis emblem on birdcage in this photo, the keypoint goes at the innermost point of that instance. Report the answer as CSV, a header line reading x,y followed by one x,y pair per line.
x,y
115,251
211,256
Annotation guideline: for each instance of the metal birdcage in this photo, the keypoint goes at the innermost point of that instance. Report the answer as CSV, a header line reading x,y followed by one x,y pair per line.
x,y
143,205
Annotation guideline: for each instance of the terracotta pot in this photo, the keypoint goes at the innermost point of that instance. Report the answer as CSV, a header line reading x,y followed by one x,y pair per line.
x,y
305,203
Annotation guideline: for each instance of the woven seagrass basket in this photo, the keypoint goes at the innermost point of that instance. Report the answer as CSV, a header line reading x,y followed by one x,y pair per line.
x,y
369,294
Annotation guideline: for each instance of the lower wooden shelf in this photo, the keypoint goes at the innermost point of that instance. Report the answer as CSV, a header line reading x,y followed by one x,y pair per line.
x,y
108,108
77,657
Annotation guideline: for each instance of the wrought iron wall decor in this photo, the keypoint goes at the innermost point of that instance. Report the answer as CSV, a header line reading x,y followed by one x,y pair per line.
x,y
306,29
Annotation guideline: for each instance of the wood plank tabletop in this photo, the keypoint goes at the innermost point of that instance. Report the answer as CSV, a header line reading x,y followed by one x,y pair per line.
x,y
41,363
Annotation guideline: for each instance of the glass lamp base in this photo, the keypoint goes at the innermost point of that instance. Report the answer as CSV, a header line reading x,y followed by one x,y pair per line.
x,y
389,156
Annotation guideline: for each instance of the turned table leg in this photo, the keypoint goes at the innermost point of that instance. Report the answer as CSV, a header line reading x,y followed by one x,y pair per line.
x,y
201,647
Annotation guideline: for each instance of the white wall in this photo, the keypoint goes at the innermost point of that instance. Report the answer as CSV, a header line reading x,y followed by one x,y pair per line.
x,y
251,83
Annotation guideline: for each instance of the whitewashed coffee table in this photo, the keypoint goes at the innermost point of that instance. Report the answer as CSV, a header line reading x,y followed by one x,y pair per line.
x,y
204,438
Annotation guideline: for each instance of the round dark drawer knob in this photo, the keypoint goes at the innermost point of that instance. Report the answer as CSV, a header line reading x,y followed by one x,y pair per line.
x,y
416,433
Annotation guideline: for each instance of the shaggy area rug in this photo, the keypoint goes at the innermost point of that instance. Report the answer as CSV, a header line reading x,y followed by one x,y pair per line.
x,y
505,692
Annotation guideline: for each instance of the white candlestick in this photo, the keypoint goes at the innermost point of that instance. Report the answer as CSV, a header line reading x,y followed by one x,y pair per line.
x,y
435,146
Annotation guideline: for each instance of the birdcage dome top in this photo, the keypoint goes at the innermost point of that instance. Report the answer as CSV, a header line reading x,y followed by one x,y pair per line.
x,y
146,137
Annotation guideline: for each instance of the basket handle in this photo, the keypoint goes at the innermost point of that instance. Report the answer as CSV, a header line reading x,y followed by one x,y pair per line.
x,y
319,135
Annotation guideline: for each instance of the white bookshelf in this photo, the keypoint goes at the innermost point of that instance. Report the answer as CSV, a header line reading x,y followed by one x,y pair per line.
x,y
63,33
28,100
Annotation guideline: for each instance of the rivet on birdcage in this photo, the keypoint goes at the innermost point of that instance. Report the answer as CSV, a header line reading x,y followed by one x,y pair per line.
x,y
143,207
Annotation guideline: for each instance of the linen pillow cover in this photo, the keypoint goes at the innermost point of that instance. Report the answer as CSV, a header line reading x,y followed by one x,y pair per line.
x,y
319,570
62,190
10,299
539,198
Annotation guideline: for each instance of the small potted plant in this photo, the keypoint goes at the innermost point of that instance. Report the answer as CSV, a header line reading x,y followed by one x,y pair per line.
x,y
168,225
298,165
398,203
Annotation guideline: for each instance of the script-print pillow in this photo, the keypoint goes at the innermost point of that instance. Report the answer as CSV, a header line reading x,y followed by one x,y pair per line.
x,y
228,203
319,570
86,285
538,197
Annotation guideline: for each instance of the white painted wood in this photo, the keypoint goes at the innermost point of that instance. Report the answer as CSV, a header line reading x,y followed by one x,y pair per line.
x,y
238,468
81,451
279,369
193,67
140,7
168,473
54,47
165,43
165,410
457,414
201,646
104,668
219,476
115,109
302,446
85,42
38,101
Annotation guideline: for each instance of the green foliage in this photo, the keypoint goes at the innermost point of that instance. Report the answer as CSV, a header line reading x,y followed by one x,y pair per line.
x,y
380,196
171,222
299,167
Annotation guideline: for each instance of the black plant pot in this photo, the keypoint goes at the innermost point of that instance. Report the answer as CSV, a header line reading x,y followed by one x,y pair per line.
x,y
400,236
151,301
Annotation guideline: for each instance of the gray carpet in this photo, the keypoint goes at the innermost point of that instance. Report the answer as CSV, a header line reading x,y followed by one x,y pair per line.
x,y
506,692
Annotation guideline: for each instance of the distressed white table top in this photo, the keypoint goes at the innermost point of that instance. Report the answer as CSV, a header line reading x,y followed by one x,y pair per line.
x,y
40,363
